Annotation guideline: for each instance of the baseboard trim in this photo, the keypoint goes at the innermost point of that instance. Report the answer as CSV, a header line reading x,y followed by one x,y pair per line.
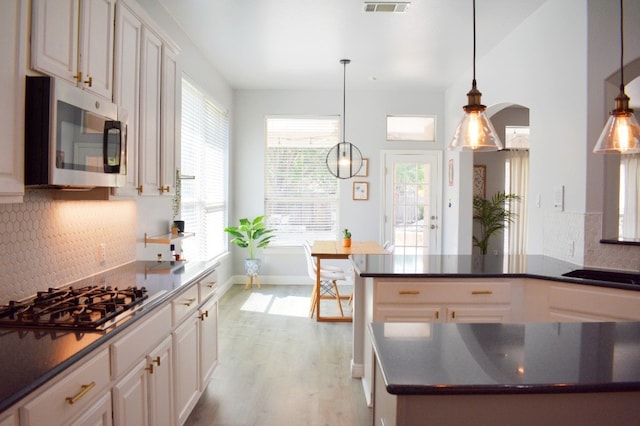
x,y
275,279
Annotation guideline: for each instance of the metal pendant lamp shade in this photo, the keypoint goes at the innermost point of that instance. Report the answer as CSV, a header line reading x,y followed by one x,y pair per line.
x,y
344,160
621,134
475,131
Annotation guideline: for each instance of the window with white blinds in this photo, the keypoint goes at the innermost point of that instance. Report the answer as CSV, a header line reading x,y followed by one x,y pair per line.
x,y
301,196
205,135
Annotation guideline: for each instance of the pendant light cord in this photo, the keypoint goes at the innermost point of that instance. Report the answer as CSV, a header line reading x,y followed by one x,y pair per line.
x,y
621,45
344,101
473,83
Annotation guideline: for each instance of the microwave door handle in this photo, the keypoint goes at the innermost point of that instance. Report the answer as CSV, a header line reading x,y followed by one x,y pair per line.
x,y
108,125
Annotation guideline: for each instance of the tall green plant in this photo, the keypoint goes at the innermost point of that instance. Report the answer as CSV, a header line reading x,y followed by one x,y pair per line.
x,y
251,234
493,215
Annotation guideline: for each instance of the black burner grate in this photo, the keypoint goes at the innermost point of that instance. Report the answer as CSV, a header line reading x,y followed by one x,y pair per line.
x,y
84,308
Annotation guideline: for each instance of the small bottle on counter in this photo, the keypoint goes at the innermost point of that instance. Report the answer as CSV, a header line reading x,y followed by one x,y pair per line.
x,y
173,252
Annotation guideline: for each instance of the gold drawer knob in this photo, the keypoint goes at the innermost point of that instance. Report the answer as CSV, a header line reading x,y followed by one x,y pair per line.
x,y
403,292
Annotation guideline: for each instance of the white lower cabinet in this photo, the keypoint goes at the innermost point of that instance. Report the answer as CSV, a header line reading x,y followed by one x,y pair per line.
x,y
144,395
208,329
581,303
73,396
186,375
10,419
160,374
442,301
98,414
130,397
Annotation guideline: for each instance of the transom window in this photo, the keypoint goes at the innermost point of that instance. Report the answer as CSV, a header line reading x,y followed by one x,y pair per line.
x,y
301,196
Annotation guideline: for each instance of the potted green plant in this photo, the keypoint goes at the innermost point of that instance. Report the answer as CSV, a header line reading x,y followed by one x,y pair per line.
x,y
492,215
251,234
346,238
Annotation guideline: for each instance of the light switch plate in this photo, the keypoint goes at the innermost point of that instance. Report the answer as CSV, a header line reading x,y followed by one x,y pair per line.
x,y
558,198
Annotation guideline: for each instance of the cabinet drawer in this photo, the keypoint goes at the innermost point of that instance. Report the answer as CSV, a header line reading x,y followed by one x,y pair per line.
x,y
134,345
70,396
607,304
185,303
208,285
442,292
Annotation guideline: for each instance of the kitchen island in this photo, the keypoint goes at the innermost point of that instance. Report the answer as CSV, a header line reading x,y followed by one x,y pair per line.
x,y
506,374
462,289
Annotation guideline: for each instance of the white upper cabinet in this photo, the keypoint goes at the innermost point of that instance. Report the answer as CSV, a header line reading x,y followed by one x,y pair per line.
x,y
126,88
13,21
147,86
171,113
73,40
150,84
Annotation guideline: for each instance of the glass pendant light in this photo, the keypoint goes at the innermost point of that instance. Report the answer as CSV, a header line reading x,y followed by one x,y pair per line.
x,y
475,131
621,134
344,160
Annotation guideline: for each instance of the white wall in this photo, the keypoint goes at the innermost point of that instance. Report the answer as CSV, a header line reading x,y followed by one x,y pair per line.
x,y
154,213
555,63
366,113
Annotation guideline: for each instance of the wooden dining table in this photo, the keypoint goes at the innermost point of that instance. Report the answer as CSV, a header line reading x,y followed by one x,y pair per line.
x,y
331,249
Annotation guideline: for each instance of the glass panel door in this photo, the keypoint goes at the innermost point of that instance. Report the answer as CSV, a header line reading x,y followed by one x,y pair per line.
x,y
412,202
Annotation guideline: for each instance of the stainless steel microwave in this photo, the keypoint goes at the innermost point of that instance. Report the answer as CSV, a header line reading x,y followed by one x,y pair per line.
x,y
73,139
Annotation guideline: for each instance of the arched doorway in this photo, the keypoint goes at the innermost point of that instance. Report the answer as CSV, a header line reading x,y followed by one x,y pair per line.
x,y
506,171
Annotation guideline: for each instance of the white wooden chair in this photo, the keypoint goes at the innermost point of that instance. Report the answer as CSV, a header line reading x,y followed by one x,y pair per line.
x,y
328,282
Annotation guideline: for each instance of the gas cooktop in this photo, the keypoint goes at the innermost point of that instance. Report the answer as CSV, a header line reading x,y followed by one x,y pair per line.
x,y
90,308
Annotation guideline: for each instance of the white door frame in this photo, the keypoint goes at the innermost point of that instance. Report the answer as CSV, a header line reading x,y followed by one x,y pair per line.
x,y
436,240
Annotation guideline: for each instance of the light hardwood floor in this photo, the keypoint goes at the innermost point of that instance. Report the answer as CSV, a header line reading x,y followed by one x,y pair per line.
x,y
280,367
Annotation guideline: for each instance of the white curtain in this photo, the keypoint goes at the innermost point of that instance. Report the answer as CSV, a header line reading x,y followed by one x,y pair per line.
x,y
518,183
629,202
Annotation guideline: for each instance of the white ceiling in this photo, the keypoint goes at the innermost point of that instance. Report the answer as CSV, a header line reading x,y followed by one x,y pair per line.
x,y
298,44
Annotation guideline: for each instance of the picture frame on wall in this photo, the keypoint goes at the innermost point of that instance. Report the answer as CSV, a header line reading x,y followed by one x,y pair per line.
x,y
479,180
360,191
364,170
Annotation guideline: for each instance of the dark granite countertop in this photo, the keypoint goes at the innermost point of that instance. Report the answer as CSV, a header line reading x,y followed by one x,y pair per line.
x,y
448,358
31,357
467,266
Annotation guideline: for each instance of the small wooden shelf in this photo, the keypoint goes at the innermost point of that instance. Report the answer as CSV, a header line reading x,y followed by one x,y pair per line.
x,y
166,238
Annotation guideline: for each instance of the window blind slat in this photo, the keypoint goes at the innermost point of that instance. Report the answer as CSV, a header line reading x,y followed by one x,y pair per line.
x,y
301,196
205,135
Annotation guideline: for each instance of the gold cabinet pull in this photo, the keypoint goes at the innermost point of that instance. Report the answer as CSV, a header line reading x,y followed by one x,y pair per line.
x,y
189,302
157,361
165,189
211,284
437,315
78,76
204,315
453,315
83,391
409,292
149,368
140,189
89,81
481,292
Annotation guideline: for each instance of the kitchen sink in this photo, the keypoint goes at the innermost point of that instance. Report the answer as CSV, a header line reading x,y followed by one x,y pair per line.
x,y
609,276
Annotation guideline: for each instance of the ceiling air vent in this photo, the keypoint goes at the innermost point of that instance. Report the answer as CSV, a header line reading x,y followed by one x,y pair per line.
x,y
397,7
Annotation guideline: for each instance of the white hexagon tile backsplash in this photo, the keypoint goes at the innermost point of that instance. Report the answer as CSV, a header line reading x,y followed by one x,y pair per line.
x,y
48,243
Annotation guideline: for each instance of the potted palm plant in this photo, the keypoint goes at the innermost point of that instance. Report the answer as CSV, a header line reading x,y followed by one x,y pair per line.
x,y
492,215
251,234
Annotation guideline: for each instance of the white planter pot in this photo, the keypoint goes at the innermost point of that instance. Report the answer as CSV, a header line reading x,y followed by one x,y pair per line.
x,y
252,267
